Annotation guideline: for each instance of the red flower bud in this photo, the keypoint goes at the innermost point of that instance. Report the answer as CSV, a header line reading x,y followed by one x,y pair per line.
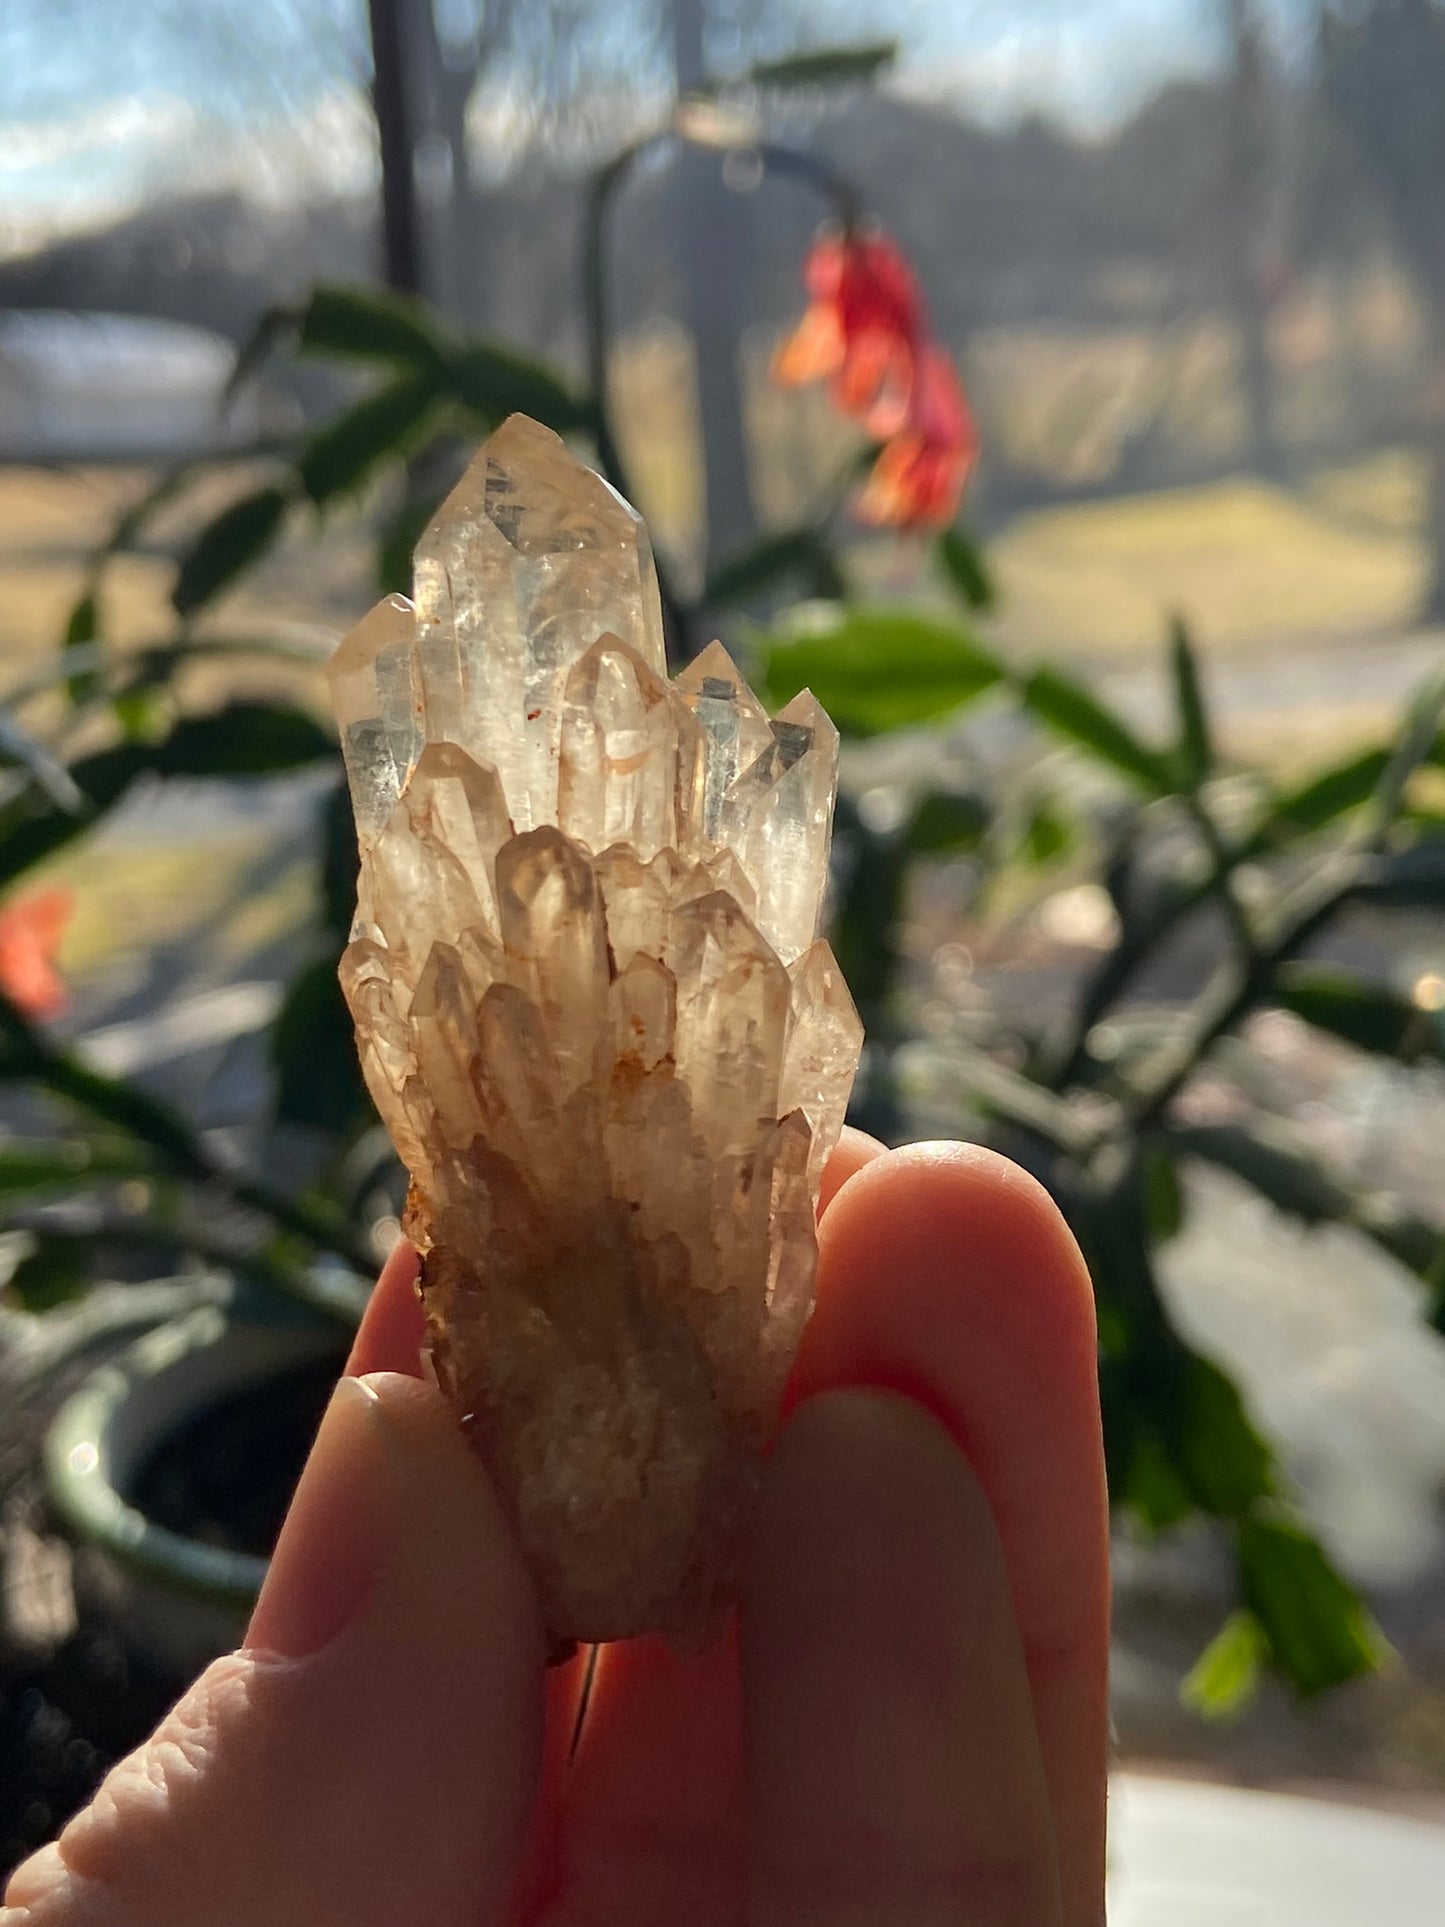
x,y
30,933
866,332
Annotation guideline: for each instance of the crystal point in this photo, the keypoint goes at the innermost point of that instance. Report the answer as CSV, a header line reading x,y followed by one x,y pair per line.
x,y
526,563
377,697
592,1014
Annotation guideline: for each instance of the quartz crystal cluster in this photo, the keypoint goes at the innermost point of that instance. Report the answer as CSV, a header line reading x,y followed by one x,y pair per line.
x,y
593,1011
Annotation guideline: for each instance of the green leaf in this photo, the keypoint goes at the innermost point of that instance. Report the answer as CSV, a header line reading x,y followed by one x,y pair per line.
x,y
81,630
879,669
1225,1677
945,822
1410,879
1278,1168
28,836
244,739
340,861
83,624
26,1055
141,711
51,1273
398,542
339,456
1411,1241
163,491
760,566
827,67
824,574
313,1050
869,909
1163,1194
966,570
1196,753
1151,1486
1223,1460
1417,739
271,328
1369,1015
1319,1632
42,1168
23,751
1070,710
365,324
241,739
496,382
236,538
1294,1180
1047,835
1331,792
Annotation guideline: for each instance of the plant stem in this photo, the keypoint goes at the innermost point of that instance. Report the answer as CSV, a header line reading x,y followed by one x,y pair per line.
x,y
1223,863
1116,970
182,1150
290,1281
1135,947
1240,983
680,617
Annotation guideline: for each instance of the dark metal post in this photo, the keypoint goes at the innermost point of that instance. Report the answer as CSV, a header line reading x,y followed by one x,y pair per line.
x,y
716,248
395,126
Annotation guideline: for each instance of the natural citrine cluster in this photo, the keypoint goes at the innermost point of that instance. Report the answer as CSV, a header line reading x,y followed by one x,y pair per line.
x,y
594,1014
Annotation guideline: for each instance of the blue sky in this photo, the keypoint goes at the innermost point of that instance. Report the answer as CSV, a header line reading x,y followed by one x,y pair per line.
x,y
104,100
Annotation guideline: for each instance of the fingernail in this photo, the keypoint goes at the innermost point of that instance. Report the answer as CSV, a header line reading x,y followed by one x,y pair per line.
x,y
331,1546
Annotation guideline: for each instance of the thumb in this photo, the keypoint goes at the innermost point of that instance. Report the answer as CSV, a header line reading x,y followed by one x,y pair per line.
x,y
370,1755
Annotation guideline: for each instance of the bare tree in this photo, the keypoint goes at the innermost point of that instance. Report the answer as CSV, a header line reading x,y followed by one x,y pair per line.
x,y
715,246
1245,209
1384,76
393,97
431,61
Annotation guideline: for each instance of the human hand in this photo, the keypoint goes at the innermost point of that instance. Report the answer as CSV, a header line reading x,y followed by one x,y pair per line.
x,y
905,1727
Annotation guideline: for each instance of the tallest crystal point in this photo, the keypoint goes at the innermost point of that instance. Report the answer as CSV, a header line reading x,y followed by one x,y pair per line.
x,y
593,1015
526,563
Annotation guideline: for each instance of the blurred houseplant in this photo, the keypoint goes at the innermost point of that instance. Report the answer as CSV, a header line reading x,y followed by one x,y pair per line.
x,y
1172,833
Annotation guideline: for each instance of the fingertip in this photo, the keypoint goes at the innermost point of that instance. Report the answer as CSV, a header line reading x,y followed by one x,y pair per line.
x,y
935,1210
919,1789
853,1151
389,1337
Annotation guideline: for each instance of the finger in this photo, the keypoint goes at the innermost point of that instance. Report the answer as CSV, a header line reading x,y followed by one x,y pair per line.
x,y
655,1792
947,1274
893,1771
853,1151
370,1756
652,1826
390,1334
389,1339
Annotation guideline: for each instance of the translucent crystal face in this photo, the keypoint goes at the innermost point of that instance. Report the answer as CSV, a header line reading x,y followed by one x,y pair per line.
x,y
594,1014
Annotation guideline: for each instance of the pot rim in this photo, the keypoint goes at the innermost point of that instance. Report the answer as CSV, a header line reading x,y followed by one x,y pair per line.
x,y
78,1473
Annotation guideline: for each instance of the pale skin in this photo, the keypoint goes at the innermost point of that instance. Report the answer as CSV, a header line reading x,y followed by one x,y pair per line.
x,y
905,1726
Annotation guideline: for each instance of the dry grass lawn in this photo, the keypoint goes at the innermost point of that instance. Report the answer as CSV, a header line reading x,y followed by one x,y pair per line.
x,y
1248,564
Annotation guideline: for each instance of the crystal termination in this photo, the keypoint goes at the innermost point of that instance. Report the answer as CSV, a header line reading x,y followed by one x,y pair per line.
x,y
593,1013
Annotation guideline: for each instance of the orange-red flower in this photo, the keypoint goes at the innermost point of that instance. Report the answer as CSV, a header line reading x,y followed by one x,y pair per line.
x,y
866,331
861,329
919,477
30,933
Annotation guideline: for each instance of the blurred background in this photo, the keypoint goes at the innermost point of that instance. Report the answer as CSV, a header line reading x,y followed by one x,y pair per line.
x,y
1141,854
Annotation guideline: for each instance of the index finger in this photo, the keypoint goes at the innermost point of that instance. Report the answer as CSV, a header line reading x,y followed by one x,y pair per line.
x,y
390,1334
948,1275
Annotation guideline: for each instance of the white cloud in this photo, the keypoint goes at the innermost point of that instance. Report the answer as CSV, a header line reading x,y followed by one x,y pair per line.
x,y
77,171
